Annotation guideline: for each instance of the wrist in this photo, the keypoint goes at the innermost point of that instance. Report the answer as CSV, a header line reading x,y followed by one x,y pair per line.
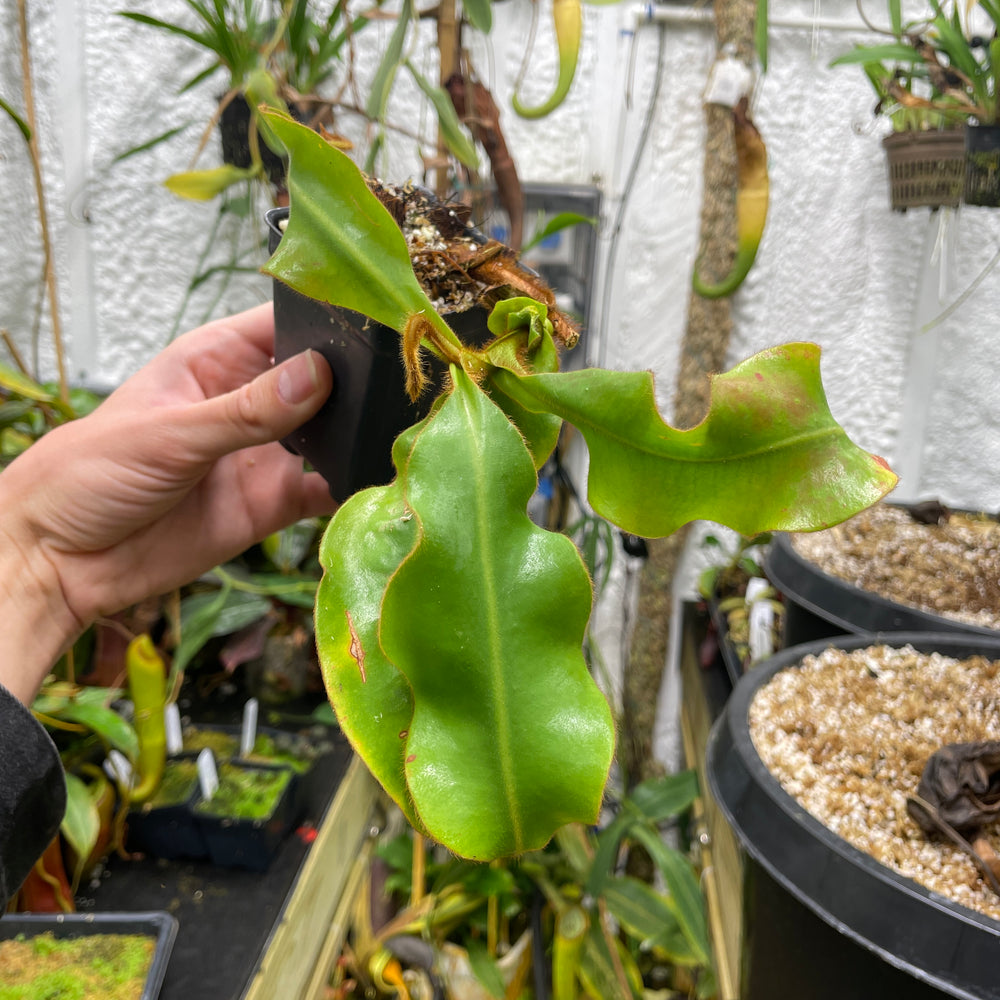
x,y
38,624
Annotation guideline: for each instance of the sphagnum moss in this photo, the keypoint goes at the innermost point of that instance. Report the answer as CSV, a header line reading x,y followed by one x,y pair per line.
x,y
109,966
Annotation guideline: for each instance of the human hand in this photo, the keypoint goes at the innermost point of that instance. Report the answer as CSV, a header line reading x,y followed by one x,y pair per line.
x,y
177,471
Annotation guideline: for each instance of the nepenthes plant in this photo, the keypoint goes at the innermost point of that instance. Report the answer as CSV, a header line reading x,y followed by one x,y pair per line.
x,y
450,627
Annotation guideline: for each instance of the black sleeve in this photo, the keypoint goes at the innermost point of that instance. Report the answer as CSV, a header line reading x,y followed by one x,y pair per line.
x,y
32,793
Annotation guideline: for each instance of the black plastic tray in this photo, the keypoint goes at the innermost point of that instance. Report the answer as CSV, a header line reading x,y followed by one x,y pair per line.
x,y
156,924
227,915
931,945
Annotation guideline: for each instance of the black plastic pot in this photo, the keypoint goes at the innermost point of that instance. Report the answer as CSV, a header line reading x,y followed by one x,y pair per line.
x,y
350,439
159,925
822,919
234,133
730,657
818,606
982,165
250,843
168,831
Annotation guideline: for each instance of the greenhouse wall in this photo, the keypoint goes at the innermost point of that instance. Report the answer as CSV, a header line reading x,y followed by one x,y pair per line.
x,y
902,304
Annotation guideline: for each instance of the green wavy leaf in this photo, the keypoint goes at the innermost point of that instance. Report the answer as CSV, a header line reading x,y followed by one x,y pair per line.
x,y
362,548
768,456
510,736
341,246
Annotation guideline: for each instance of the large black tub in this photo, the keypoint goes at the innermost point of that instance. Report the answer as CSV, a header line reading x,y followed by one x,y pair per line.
x,y
818,605
823,920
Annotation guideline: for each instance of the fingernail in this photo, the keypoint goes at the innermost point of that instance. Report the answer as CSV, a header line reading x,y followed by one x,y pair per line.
x,y
297,379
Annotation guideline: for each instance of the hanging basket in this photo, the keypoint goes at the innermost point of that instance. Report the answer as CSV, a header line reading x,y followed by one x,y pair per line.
x,y
926,169
982,165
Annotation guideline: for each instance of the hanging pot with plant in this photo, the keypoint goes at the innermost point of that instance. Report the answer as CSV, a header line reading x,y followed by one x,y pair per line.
x,y
926,168
936,82
970,63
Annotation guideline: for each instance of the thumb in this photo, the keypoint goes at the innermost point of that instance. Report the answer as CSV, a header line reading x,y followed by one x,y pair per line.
x,y
268,408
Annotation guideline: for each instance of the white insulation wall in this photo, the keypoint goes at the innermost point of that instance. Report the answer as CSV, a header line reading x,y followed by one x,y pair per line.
x,y
836,265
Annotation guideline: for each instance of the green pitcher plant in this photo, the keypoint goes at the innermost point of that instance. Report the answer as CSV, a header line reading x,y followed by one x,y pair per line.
x,y
450,627
752,196
567,20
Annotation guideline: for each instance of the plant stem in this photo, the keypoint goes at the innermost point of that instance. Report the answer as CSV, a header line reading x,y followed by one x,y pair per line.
x,y
43,219
419,869
14,353
493,919
447,33
275,589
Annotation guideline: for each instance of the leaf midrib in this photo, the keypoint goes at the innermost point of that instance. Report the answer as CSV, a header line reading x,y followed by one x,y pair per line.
x,y
495,653
576,417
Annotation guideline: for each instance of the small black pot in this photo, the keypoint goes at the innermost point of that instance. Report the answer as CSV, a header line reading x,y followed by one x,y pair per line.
x,y
822,919
818,606
234,842
169,831
234,133
158,925
982,165
730,657
349,441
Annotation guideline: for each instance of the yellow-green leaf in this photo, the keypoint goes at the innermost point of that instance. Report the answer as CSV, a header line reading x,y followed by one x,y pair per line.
x,y
203,185
767,456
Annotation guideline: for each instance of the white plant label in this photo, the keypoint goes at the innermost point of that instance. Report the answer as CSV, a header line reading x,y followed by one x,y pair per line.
x,y
761,620
172,724
208,773
248,735
118,768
